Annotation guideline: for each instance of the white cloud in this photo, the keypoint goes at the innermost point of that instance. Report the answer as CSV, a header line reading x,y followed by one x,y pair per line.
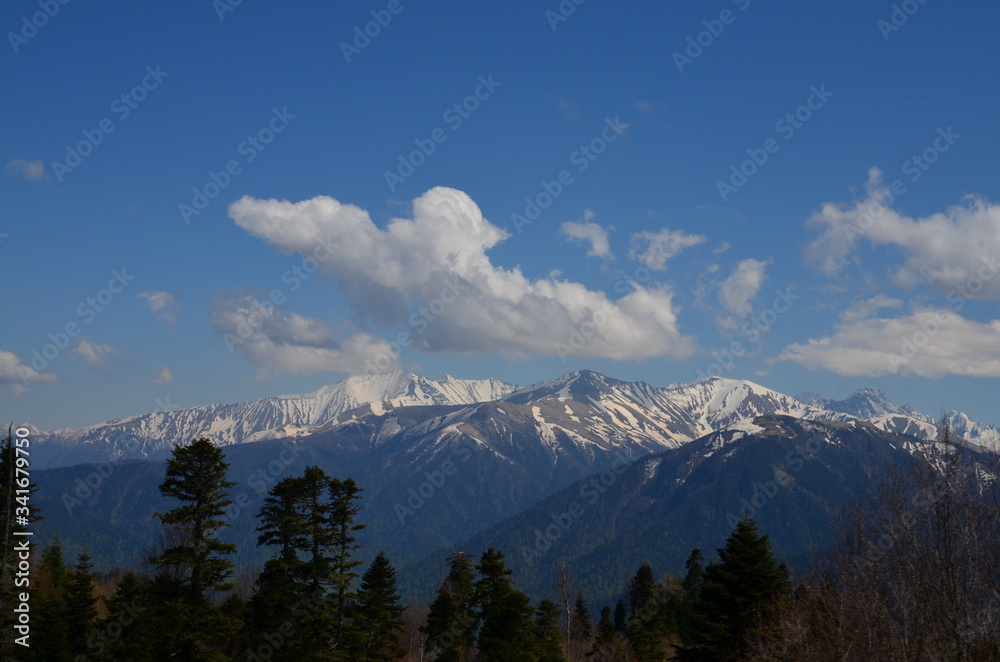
x,y
738,290
163,305
583,230
30,170
165,376
93,353
433,273
13,371
278,344
654,248
950,249
927,343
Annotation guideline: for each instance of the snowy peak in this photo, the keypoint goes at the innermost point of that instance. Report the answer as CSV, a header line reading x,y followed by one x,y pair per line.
x,y
580,385
150,436
863,403
401,389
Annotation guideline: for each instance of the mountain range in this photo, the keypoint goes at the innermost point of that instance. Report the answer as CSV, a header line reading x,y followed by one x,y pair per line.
x,y
635,414
448,464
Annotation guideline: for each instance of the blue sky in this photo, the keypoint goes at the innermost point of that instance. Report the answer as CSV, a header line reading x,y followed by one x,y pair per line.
x,y
257,201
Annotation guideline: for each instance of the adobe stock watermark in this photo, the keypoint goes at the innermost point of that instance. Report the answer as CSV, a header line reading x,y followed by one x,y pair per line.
x,y
223,7
763,492
293,277
418,497
697,44
85,489
31,25
261,480
249,149
562,12
751,328
913,343
363,36
592,489
454,116
915,167
87,310
786,127
418,322
581,158
122,108
898,17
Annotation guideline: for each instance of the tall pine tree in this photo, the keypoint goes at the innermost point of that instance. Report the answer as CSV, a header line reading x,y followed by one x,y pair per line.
x,y
736,590
377,614
195,557
451,621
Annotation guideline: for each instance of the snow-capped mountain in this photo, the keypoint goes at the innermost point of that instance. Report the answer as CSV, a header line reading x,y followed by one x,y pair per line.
x,y
563,428
575,417
152,436
863,403
872,405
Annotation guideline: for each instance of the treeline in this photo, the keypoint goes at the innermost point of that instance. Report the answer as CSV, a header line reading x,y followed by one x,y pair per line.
x,y
915,577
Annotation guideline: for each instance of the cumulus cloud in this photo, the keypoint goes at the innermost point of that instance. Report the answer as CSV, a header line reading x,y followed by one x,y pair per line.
x,y
929,342
433,273
585,230
738,290
93,353
13,371
30,170
277,343
162,305
165,376
949,249
654,248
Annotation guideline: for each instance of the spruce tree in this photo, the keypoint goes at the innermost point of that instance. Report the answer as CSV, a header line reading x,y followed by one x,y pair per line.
x,y
605,637
692,583
451,621
344,508
295,518
736,590
548,644
124,634
50,632
377,614
196,476
81,605
583,626
621,616
646,628
504,613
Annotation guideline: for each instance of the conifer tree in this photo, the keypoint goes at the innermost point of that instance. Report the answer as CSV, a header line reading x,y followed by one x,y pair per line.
x,y
646,628
548,644
621,616
605,637
583,626
344,509
451,621
377,614
692,583
196,476
124,634
295,518
50,632
504,612
81,605
736,590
